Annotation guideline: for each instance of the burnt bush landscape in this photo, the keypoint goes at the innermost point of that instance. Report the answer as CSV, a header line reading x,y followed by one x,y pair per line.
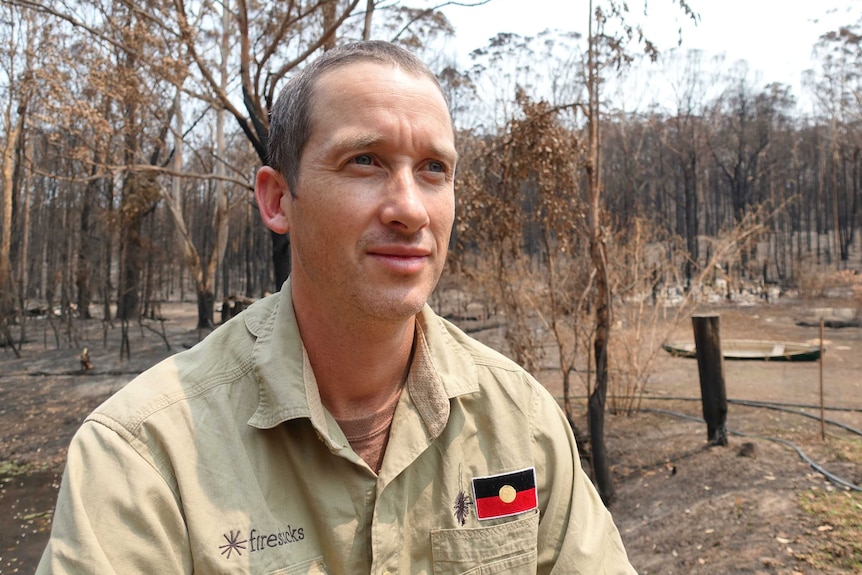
x,y
608,190
753,506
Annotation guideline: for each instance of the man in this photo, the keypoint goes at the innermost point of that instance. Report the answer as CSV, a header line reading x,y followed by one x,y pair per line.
x,y
338,426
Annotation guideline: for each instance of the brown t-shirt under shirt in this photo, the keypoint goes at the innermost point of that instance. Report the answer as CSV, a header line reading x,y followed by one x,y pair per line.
x,y
369,434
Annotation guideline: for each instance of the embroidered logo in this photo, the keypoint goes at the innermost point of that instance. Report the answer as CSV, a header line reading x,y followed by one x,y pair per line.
x,y
233,544
258,541
462,502
505,494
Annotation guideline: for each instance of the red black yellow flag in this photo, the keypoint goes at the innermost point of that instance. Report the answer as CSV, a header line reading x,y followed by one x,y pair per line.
x,y
505,494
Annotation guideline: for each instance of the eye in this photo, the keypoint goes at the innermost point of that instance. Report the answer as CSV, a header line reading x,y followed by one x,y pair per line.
x,y
363,160
435,166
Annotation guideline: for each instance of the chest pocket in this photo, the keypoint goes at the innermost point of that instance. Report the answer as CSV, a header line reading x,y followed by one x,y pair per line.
x,y
312,567
505,548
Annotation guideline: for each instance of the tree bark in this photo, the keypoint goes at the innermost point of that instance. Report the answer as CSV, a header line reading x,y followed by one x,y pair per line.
x,y
596,410
369,12
280,258
7,297
83,267
206,307
711,369
140,196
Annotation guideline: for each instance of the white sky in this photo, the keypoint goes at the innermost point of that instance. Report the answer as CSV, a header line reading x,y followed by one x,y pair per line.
x,y
775,37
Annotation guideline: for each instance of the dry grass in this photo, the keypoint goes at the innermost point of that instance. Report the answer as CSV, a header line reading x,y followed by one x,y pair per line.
x,y
838,515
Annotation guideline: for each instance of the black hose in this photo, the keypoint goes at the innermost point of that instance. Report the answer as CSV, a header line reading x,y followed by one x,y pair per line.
x,y
830,476
755,403
785,407
778,406
795,412
749,402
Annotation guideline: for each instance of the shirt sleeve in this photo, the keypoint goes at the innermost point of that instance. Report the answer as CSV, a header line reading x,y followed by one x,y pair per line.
x,y
577,534
115,512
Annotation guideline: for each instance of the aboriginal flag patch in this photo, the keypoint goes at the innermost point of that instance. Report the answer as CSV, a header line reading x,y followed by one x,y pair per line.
x,y
505,494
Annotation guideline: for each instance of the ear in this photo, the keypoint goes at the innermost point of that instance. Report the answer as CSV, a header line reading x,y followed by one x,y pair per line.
x,y
270,189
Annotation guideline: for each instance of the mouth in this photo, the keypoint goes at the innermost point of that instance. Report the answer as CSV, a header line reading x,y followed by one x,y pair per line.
x,y
401,259
400,252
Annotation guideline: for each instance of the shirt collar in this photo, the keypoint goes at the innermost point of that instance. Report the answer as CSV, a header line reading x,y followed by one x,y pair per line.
x,y
441,369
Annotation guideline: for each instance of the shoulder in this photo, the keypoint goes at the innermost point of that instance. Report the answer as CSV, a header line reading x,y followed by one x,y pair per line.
x,y
220,361
493,375
444,336
485,356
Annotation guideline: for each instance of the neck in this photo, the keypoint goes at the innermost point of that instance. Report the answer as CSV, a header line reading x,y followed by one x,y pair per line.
x,y
358,368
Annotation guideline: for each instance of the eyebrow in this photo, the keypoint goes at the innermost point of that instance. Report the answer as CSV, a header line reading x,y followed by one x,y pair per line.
x,y
356,142
337,148
448,154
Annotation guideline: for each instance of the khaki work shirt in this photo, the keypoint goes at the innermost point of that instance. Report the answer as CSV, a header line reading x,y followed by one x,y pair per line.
x,y
222,459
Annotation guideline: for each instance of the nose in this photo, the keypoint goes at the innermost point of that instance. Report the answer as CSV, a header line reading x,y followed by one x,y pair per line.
x,y
404,207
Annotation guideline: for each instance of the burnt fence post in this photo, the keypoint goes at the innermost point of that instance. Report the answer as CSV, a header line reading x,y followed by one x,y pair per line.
x,y
710,367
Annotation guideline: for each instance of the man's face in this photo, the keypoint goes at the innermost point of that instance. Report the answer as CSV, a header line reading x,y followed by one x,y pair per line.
x,y
374,204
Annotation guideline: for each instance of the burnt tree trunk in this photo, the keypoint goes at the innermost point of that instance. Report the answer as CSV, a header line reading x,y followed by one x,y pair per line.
x,y
140,196
596,407
280,258
711,370
206,308
83,267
